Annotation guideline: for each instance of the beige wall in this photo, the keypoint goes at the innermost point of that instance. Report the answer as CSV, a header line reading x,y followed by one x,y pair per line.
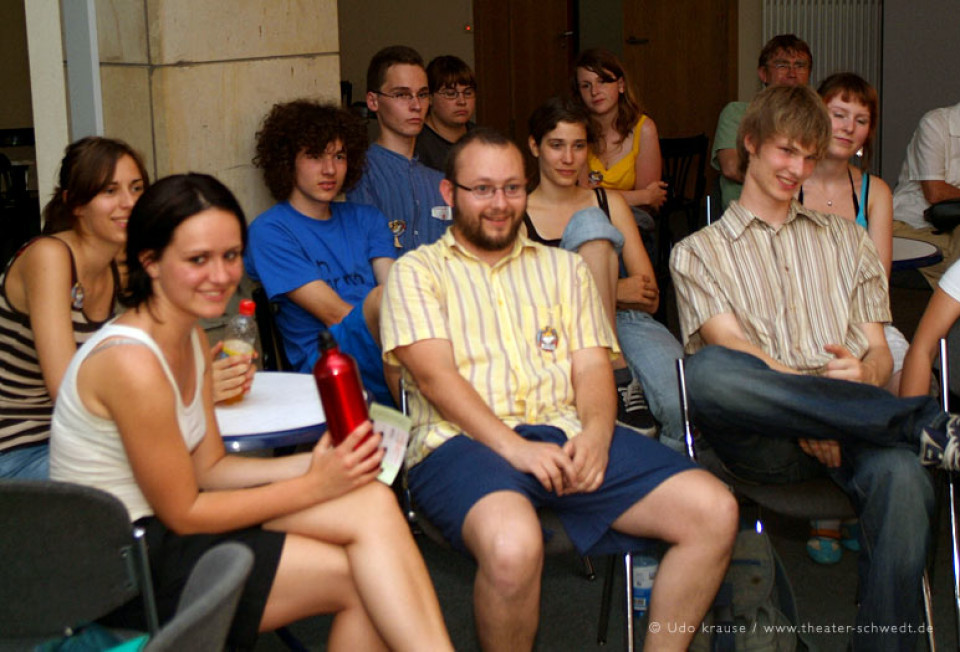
x,y
431,27
749,44
15,72
187,82
920,50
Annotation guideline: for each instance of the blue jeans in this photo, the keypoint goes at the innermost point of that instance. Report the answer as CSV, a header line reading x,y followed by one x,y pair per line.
x,y
27,463
587,225
753,415
651,352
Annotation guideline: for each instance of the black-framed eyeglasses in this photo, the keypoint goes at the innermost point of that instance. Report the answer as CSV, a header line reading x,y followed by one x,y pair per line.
x,y
512,190
452,93
406,96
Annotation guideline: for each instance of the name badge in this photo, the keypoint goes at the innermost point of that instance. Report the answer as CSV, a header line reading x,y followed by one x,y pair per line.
x,y
442,213
397,227
547,338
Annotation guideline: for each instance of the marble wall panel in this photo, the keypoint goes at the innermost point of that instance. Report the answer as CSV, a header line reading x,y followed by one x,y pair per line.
x,y
206,116
122,31
126,108
215,30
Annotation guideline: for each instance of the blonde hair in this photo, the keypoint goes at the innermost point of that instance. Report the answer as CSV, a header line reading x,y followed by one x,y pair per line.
x,y
795,112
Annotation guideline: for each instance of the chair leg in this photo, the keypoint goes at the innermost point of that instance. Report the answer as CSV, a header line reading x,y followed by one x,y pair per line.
x,y
628,603
292,642
606,597
928,612
142,562
954,552
588,568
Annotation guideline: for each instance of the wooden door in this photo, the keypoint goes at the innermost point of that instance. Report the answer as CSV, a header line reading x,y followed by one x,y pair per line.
x,y
682,56
523,54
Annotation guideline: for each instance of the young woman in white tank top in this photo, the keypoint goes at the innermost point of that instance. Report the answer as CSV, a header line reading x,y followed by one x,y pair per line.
x,y
136,418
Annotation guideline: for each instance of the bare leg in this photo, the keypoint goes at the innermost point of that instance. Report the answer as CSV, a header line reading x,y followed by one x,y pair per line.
x,y
385,564
503,533
314,578
697,514
601,259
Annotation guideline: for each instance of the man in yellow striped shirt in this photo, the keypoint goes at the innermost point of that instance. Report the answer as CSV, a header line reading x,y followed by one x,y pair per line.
x,y
506,346
782,308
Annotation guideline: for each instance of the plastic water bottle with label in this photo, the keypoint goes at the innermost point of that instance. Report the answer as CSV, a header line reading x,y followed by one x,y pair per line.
x,y
644,572
241,336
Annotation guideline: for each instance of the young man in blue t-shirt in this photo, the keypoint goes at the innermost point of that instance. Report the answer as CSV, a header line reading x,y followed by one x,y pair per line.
x,y
322,261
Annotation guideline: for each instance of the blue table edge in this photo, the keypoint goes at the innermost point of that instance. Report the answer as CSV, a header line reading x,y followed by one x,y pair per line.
x,y
279,439
916,263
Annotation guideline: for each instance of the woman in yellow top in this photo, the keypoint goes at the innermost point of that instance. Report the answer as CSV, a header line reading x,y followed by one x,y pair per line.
x,y
627,156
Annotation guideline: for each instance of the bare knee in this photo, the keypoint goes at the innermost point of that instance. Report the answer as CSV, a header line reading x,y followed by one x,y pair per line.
x,y
378,505
511,562
718,516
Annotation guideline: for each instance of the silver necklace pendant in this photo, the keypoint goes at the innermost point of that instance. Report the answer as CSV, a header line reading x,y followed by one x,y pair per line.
x,y
76,296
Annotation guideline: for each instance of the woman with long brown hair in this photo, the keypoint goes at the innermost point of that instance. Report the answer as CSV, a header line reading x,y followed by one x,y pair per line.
x,y
626,157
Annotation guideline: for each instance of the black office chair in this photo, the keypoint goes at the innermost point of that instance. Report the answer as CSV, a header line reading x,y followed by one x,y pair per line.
x,y
208,602
272,354
816,499
70,556
681,157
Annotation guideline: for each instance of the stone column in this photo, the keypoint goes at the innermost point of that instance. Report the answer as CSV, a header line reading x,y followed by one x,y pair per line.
x,y
187,82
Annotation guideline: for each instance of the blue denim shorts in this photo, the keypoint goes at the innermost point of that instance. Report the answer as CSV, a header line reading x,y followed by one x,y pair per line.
x,y
26,463
454,477
587,225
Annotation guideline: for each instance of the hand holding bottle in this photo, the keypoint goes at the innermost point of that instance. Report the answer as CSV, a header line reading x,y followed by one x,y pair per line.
x,y
351,464
232,375
238,343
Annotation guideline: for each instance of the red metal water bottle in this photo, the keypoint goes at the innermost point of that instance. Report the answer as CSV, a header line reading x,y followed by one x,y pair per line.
x,y
341,392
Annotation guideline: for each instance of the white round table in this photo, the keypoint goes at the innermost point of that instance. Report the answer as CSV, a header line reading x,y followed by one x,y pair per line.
x,y
911,254
281,409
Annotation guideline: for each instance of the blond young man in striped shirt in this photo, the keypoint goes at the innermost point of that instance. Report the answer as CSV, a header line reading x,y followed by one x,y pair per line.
x,y
507,347
782,308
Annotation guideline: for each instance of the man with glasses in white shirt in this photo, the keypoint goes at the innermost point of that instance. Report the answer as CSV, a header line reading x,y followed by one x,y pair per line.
x,y
405,190
784,61
453,89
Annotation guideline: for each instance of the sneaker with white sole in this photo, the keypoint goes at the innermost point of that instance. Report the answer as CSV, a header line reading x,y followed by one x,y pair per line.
x,y
940,444
633,411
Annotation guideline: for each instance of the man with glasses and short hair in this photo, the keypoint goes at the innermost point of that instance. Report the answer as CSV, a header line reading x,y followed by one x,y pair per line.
x,y
507,349
453,88
405,190
784,61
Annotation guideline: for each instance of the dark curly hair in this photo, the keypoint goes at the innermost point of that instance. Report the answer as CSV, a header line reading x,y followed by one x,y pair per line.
x,y
306,125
